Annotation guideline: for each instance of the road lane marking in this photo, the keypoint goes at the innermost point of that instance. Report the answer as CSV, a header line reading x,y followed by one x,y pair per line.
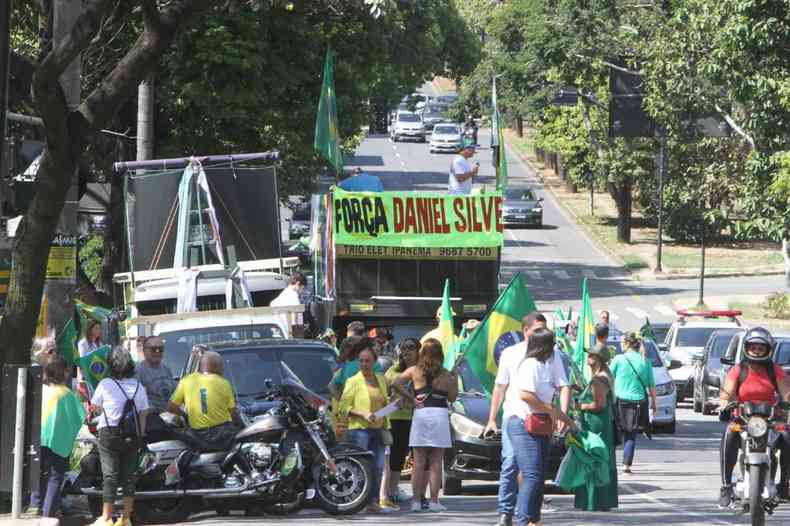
x,y
706,519
589,274
637,313
666,310
562,274
533,275
397,155
613,316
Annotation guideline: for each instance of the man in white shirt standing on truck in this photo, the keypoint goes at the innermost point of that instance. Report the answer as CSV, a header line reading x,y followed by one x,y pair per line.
x,y
461,172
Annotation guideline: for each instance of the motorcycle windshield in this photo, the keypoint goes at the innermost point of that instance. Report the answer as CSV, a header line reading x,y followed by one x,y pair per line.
x,y
293,384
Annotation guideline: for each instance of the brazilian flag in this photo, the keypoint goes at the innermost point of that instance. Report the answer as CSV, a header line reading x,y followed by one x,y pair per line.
x,y
505,317
94,365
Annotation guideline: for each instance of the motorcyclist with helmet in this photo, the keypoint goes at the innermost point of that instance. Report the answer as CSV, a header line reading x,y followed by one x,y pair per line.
x,y
755,379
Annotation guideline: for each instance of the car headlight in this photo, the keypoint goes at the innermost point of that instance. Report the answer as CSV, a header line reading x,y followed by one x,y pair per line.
x,y
757,426
665,389
466,426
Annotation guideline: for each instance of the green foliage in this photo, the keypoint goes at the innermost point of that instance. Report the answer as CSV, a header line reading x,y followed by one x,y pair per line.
x,y
90,255
777,306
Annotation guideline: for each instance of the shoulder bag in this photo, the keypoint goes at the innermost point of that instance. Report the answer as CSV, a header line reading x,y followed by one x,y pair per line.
x,y
642,415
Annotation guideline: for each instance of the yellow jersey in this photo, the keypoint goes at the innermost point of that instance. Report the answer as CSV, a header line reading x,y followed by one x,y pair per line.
x,y
208,399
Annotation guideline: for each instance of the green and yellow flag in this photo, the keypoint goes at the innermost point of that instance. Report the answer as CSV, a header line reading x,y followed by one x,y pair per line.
x,y
504,317
327,136
66,343
94,365
446,328
90,312
62,415
647,331
586,330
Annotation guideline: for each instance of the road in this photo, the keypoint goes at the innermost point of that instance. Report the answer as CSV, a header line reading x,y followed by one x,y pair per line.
x,y
555,258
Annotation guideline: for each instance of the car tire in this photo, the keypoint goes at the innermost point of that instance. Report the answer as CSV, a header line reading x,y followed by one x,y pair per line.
x,y
670,428
697,401
706,407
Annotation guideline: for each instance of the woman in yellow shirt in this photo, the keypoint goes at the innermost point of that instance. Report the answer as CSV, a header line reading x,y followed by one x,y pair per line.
x,y
363,395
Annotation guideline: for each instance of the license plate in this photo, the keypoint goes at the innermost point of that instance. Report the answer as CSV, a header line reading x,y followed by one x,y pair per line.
x,y
520,216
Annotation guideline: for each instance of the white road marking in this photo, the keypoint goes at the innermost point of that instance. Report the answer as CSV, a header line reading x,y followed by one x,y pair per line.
x,y
705,518
534,275
666,310
637,313
397,155
562,274
589,274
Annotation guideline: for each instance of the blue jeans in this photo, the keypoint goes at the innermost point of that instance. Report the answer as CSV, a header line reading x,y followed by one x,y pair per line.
x,y
53,471
629,446
370,439
508,474
532,456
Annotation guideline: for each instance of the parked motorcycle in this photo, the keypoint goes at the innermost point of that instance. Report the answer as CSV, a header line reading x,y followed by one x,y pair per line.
x,y
277,461
759,425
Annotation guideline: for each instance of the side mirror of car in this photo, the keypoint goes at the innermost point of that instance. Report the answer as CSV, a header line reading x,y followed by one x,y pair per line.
x,y
726,360
663,347
675,364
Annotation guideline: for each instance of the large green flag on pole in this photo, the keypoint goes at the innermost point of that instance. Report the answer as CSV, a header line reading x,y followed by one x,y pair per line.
x,y
586,329
647,331
327,137
498,141
446,327
504,317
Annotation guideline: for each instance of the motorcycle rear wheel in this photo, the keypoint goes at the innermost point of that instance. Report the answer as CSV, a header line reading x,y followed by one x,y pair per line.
x,y
756,484
348,493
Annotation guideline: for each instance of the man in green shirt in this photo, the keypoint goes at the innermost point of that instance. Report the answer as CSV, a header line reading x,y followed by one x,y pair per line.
x,y
633,384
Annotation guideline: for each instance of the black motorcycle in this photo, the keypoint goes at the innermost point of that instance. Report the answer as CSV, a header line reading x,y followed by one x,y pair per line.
x,y
759,425
277,462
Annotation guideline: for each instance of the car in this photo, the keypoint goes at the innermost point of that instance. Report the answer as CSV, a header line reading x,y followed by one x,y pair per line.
x,y
707,381
449,98
734,353
445,138
432,114
664,418
472,457
686,339
250,364
299,224
660,330
522,207
407,126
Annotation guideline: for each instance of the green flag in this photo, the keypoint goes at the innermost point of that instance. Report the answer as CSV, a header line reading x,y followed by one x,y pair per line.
x,y
327,137
586,328
94,365
66,343
91,312
501,173
586,463
504,317
61,419
647,331
446,328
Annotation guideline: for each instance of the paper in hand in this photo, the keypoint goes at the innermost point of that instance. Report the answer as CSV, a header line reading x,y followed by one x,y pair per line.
x,y
387,409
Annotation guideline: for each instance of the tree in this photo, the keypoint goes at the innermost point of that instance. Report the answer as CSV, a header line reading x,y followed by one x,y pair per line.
x,y
67,135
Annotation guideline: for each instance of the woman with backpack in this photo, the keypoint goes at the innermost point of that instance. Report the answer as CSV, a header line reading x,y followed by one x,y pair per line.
x,y
755,379
120,403
634,384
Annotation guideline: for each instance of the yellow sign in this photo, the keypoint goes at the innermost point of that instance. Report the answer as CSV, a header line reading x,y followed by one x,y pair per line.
x,y
380,252
62,263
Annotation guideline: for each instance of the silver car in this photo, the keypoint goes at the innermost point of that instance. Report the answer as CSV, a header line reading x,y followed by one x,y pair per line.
x,y
408,126
446,138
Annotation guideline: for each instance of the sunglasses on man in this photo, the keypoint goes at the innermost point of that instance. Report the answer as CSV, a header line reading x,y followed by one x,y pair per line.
x,y
157,349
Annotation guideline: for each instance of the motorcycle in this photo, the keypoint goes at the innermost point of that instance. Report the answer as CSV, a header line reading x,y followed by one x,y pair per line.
x,y
759,425
277,462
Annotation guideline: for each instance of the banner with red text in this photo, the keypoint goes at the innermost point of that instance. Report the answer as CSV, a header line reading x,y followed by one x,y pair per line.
x,y
417,219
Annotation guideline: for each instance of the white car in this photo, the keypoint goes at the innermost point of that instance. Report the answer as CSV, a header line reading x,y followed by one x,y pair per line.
x,y
664,417
407,126
686,339
446,138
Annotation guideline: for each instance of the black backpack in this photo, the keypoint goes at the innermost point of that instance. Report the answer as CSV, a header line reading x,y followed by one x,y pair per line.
x,y
129,424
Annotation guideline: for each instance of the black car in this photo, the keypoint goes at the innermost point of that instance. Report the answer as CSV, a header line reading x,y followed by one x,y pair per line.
x,y
707,371
471,456
522,207
249,363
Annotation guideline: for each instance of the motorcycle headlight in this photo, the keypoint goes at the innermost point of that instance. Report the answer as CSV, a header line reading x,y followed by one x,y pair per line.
x,y
466,426
757,426
665,389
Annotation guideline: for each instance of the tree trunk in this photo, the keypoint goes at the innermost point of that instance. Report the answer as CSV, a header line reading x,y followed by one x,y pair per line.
x,y
786,255
623,198
112,262
520,125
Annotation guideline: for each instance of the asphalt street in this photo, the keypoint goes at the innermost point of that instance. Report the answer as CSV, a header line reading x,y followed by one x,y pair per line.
x,y
554,259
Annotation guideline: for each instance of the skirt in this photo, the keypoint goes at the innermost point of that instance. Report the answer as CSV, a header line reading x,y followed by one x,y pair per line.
x,y
430,427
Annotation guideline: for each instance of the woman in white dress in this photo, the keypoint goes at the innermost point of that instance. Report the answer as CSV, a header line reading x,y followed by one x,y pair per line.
x,y
92,339
434,388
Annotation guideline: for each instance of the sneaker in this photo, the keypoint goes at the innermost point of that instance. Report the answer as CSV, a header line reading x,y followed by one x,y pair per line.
x,y
436,507
725,497
387,505
416,507
627,470
424,504
101,522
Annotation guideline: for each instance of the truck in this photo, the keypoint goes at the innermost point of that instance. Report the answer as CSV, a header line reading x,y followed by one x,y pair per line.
x,y
383,258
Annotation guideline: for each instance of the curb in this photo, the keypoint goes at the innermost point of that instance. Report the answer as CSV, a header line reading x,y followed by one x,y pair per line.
x,y
672,276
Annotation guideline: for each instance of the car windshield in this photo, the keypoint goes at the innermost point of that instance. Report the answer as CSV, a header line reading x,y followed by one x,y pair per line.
x,y
408,117
246,369
520,195
782,354
469,381
661,333
719,346
693,336
447,130
301,213
178,344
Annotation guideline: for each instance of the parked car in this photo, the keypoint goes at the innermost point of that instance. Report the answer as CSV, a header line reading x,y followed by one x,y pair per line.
x,y
407,126
664,418
686,341
250,363
734,353
707,381
445,138
471,456
522,207
449,98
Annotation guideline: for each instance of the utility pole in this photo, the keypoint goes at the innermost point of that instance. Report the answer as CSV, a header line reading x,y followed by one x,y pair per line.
x,y
662,172
701,300
145,118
